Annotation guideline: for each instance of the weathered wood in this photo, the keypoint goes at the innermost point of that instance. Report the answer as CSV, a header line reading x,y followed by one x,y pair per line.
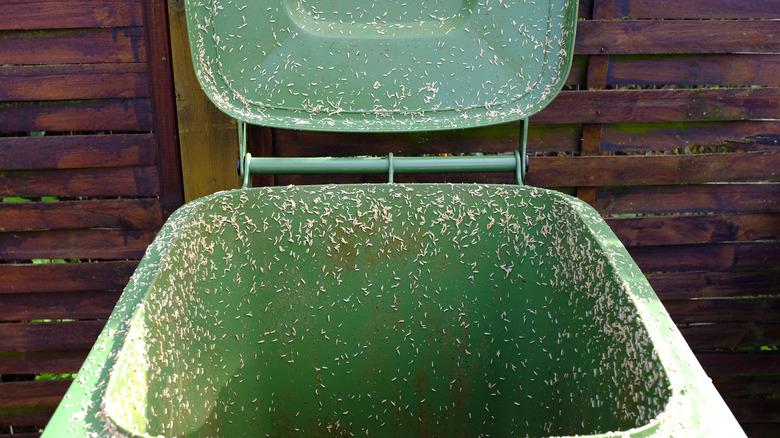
x,y
95,115
73,81
718,364
122,181
761,430
725,310
707,257
73,46
665,70
731,335
747,386
608,37
675,9
703,284
602,171
680,230
498,138
677,136
32,394
75,244
77,151
164,106
61,305
755,410
34,417
61,14
208,137
68,277
727,198
129,214
648,106
42,362
28,337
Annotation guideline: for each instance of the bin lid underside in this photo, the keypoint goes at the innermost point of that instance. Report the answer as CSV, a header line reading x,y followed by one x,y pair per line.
x,y
389,65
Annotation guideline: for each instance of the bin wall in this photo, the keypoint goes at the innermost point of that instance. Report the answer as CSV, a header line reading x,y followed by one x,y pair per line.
x,y
659,130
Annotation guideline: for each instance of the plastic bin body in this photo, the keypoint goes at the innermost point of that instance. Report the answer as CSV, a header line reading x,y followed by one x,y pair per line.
x,y
390,310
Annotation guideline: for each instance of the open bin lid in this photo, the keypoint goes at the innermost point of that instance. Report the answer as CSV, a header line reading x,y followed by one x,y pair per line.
x,y
381,65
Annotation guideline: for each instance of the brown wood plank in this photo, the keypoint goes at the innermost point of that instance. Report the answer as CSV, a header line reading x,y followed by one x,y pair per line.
x,y
731,335
122,181
725,310
21,435
32,394
42,362
608,37
208,137
68,277
60,14
718,364
599,171
75,244
649,106
699,70
73,81
730,198
703,284
748,386
676,9
164,105
761,430
30,417
28,337
680,230
77,151
498,138
639,137
73,46
128,214
61,305
707,257
94,115
755,410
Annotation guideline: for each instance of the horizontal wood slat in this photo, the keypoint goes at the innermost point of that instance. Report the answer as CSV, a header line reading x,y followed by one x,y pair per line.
x,y
680,230
727,198
608,37
731,335
34,393
664,70
75,46
707,257
28,337
748,386
42,362
77,151
725,310
704,284
121,181
753,410
675,9
61,305
717,364
669,137
60,14
602,171
128,214
73,81
66,277
648,106
75,244
96,115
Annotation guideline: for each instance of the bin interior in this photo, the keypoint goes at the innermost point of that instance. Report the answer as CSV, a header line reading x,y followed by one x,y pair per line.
x,y
372,310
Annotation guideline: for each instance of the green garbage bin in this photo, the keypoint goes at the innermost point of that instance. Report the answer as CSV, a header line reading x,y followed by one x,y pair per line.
x,y
384,309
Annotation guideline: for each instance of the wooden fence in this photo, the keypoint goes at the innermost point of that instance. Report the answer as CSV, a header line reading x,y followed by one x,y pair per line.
x,y
670,126
89,169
